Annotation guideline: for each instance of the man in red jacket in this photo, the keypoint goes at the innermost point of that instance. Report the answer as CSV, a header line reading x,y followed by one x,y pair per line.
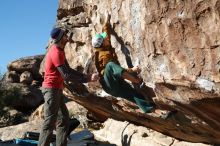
x,y
57,71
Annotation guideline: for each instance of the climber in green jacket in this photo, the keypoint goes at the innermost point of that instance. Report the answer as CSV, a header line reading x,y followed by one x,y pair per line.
x,y
112,75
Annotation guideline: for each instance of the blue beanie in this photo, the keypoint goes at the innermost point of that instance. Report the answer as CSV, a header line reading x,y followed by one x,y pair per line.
x,y
56,34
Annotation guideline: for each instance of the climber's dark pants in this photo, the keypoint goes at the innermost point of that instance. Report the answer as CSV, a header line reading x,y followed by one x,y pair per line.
x,y
113,83
55,115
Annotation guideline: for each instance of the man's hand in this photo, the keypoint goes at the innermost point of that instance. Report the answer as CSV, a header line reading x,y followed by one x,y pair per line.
x,y
138,80
93,77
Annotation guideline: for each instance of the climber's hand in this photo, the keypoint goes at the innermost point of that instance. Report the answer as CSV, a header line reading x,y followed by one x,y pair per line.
x,y
136,69
107,16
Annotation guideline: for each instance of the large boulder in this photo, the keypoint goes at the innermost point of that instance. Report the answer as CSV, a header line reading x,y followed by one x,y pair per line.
x,y
26,78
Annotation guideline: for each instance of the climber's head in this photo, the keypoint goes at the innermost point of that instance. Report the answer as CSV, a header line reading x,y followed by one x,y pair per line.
x,y
98,39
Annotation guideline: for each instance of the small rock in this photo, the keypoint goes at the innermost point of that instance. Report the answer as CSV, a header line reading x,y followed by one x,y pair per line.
x,y
26,78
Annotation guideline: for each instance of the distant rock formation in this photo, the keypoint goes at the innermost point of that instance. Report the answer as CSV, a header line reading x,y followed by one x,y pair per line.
x,y
23,76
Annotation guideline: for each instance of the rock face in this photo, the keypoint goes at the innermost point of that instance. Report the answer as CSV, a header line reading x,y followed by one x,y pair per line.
x,y
172,40
177,45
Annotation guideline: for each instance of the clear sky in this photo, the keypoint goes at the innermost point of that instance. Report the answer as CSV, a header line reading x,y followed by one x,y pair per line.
x,y
25,28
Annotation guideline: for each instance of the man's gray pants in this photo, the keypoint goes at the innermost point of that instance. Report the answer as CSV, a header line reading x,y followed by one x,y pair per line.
x,y
56,115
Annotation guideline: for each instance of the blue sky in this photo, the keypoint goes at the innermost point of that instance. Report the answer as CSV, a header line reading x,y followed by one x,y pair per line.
x,y
25,28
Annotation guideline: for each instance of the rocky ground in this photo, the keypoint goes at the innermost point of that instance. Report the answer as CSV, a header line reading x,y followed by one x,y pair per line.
x,y
120,133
